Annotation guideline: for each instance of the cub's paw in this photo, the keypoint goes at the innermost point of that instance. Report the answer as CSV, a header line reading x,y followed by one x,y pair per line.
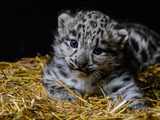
x,y
60,93
137,105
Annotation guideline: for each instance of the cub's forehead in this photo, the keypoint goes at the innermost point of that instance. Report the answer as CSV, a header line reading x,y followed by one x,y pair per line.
x,y
92,19
91,23
91,15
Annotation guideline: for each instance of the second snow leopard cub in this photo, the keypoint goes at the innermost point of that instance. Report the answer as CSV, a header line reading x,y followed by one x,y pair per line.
x,y
92,50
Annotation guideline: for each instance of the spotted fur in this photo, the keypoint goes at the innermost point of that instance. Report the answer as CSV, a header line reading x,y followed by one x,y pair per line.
x,y
91,50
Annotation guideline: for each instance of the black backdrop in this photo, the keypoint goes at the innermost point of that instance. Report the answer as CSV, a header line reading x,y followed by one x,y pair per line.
x,y
28,24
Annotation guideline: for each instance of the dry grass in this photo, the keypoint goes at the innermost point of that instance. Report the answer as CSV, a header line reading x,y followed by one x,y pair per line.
x,y
22,97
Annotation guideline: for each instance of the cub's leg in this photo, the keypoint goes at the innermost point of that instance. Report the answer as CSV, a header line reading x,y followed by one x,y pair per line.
x,y
51,76
123,84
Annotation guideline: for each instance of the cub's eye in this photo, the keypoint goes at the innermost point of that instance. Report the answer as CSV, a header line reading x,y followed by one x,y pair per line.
x,y
73,43
98,51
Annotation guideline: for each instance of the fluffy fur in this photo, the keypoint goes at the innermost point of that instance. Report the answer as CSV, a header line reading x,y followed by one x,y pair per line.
x,y
92,50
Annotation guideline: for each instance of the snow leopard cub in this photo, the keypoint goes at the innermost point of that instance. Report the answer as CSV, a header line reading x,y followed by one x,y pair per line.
x,y
92,50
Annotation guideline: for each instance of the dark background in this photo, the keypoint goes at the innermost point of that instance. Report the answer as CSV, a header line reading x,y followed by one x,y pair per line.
x,y
28,24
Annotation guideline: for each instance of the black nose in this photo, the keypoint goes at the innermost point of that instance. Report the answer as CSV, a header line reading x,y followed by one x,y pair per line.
x,y
81,64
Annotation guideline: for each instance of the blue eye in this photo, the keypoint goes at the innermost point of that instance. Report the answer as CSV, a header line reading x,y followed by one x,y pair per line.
x,y
73,43
98,51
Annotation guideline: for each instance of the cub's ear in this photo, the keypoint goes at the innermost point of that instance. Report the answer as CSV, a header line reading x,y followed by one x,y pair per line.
x,y
123,35
120,35
63,20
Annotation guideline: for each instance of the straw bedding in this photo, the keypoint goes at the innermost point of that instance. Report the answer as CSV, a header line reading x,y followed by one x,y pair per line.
x,y
23,97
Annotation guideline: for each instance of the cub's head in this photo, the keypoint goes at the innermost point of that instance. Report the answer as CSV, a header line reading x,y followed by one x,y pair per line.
x,y
90,41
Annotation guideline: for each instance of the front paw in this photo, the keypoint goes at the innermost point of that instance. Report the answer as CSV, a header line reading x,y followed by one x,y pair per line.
x,y
60,93
137,105
63,96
